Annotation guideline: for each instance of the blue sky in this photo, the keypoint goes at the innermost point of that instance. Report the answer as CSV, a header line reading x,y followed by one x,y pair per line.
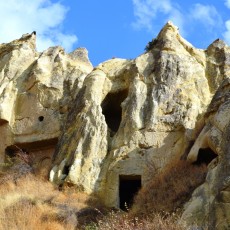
x,y
120,28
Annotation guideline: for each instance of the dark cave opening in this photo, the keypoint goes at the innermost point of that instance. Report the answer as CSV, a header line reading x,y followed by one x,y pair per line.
x,y
14,152
111,108
10,151
205,156
128,188
41,118
66,170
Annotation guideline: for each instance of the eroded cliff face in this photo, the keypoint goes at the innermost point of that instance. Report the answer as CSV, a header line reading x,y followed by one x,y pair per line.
x,y
209,205
108,124
35,92
133,113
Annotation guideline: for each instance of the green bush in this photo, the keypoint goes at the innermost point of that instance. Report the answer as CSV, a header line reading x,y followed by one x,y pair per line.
x,y
150,45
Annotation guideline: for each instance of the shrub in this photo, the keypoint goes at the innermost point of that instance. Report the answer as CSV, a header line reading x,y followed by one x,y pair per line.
x,y
150,45
169,189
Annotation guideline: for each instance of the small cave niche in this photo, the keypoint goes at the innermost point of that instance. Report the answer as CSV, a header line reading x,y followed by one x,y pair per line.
x,y
129,185
10,151
66,170
111,109
40,118
205,156
2,121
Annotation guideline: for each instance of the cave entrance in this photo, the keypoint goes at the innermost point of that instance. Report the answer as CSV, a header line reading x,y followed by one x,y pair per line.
x,y
205,156
128,188
111,108
13,151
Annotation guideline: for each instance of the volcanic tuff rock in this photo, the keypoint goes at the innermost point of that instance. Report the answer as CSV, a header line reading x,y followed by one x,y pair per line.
x,y
36,89
132,113
209,204
115,120
129,113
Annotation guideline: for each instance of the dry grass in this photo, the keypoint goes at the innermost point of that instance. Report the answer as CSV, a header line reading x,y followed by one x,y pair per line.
x,y
31,203
28,202
25,214
118,221
169,189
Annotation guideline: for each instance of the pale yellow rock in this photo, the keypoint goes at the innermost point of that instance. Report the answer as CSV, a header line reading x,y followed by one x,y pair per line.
x,y
130,113
121,117
36,92
213,209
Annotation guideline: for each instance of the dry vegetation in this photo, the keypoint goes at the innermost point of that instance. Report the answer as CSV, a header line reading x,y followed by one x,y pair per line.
x,y
30,202
124,221
158,204
169,189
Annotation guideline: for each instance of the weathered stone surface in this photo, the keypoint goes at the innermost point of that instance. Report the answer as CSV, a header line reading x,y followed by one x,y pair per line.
x,y
132,112
114,120
213,209
35,93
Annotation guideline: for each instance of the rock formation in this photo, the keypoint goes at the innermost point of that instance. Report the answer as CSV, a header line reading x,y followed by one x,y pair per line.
x,y
36,91
131,113
110,123
209,204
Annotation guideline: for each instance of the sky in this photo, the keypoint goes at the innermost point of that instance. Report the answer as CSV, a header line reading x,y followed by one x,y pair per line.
x,y
113,28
